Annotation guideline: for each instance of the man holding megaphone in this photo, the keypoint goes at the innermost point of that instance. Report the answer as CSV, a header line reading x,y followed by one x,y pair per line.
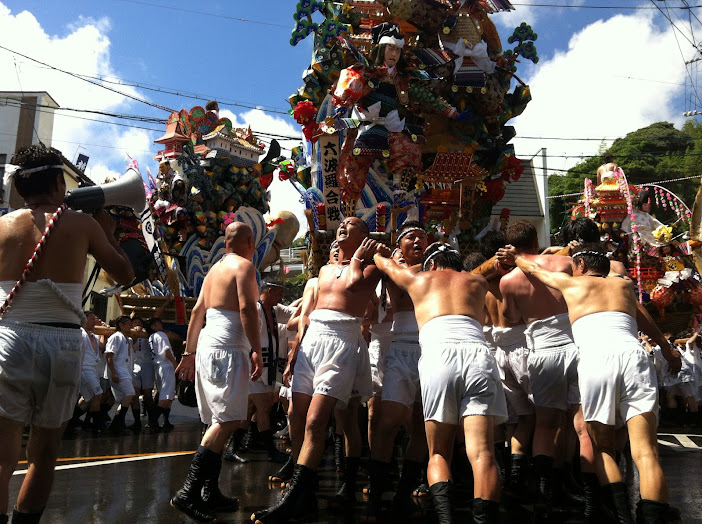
x,y
43,252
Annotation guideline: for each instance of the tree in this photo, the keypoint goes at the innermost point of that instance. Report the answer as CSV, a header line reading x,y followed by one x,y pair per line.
x,y
652,154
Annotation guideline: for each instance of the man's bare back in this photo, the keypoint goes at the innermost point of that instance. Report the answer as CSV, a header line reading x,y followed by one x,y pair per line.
x,y
526,299
64,256
220,288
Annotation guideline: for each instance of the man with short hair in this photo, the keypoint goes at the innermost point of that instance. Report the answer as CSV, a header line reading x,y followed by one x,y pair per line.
x,y
228,301
617,380
164,364
553,356
142,372
459,377
43,320
327,362
118,355
401,398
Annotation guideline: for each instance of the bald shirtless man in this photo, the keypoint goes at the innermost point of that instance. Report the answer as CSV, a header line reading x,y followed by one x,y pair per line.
x,y
42,324
553,356
401,396
327,361
459,376
221,367
617,380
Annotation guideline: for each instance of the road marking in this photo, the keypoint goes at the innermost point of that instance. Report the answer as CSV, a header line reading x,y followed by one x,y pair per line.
x,y
686,441
681,441
69,459
131,458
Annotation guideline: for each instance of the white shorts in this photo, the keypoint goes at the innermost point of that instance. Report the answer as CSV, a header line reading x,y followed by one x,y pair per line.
x,y
402,372
327,363
40,367
258,386
617,377
552,363
381,338
459,376
514,368
682,389
89,385
221,380
363,381
143,376
166,382
123,388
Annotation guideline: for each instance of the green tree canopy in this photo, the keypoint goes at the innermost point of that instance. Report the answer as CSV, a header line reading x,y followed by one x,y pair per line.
x,y
648,155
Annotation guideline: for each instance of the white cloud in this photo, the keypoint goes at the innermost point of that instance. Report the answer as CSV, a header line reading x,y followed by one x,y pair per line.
x,y
583,91
84,48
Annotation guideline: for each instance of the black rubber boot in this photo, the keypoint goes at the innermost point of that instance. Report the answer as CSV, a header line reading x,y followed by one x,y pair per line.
x,y
137,420
485,511
213,498
154,415
543,469
188,500
166,422
233,445
518,483
4,518
117,424
442,495
379,472
75,419
274,454
591,488
502,460
285,473
298,501
339,452
652,512
346,496
619,498
25,518
403,503
250,441
562,495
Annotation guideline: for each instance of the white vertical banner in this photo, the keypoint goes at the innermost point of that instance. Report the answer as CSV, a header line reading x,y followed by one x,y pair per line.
x,y
329,149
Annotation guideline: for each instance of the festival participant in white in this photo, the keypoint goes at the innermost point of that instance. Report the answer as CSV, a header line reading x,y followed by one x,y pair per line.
x,y
164,367
118,370
458,374
617,379
228,302
41,322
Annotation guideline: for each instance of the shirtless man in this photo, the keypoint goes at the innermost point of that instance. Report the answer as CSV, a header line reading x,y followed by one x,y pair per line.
x,y
459,377
553,357
510,338
327,361
606,170
401,397
617,380
228,301
43,322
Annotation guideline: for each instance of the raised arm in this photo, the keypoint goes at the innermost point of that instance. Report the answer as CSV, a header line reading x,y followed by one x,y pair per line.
x,y
553,279
359,264
104,247
402,276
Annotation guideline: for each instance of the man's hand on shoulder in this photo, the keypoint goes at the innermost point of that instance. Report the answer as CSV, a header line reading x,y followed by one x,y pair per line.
x,y
366,250
507,255
383,250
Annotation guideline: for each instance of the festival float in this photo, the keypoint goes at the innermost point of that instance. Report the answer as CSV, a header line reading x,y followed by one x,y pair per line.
x,y
664,260
209,175
420,136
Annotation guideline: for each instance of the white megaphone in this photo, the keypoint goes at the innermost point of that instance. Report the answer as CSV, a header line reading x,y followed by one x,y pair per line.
x,y
127,191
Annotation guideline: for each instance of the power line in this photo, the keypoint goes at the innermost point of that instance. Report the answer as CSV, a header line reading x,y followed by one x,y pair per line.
x,y
622,7
204,13
157,106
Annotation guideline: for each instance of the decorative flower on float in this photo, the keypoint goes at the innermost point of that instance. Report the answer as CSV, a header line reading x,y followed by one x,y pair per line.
x,y
494,190
304,114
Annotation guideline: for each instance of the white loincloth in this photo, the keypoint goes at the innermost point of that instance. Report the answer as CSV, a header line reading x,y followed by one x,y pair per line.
x,y
515,369
44,301
459,376
617,377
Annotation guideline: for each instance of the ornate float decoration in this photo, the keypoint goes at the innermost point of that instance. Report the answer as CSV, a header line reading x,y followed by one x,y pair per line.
x,y
425,138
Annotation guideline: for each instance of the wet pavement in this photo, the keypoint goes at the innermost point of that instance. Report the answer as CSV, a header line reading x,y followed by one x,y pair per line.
x,y
130,478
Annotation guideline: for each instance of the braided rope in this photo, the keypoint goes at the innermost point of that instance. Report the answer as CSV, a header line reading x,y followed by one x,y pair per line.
x,y
30,264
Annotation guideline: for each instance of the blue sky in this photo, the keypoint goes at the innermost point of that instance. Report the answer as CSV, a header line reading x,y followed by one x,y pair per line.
x,y
602,72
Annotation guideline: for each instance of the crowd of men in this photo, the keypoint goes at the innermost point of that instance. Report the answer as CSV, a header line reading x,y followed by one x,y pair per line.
x,y
536,376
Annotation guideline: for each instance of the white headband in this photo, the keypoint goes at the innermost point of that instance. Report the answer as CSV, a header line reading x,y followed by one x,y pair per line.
x,y
441,249
387,39
407,232
26,172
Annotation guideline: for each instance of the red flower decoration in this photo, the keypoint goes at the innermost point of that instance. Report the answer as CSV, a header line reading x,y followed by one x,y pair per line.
x,y
304,112
495,190
266,180
311,132
516,165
